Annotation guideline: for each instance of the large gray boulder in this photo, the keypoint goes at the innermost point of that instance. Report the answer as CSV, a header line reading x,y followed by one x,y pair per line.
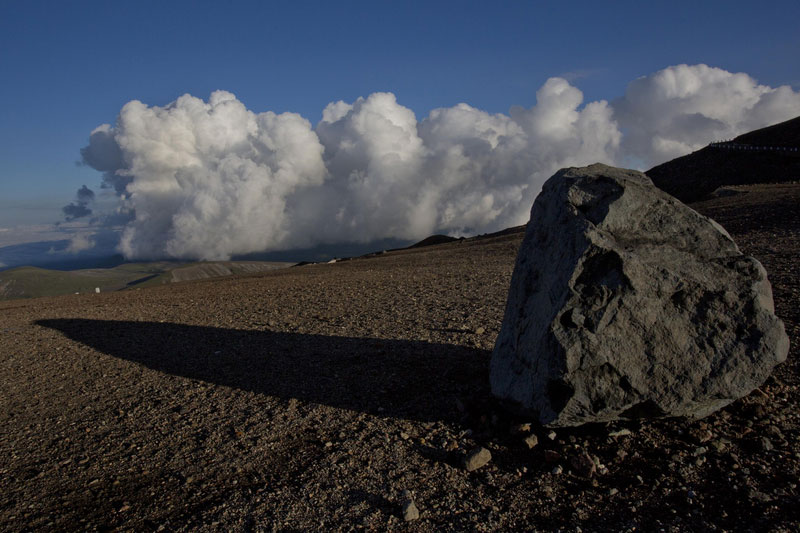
x,y
625,303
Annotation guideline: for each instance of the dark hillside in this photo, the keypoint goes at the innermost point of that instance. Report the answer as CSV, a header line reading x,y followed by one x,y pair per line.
x,y
782,134
434,240
761,156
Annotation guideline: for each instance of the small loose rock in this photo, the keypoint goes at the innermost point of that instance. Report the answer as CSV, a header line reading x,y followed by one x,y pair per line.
x,y
701,450
531,441
583,464
624,432
552,456
520,429
477,458
410,511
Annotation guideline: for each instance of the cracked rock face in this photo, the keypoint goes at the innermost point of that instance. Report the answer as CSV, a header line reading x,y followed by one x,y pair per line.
x,y
625,303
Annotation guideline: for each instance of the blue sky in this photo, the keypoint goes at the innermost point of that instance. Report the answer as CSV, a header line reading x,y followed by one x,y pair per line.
x,y
67,67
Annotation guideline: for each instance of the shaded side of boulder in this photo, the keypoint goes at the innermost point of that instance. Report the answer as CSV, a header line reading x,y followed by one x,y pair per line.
x,y
625,303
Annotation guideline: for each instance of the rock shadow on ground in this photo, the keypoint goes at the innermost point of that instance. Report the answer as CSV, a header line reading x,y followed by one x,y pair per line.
x,y
397,378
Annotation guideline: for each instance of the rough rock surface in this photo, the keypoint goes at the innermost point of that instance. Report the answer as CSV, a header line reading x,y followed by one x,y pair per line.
x,y
625,303
477,458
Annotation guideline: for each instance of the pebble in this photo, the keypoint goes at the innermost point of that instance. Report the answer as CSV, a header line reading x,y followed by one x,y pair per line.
x,y
519,429
477,458
583,464
624,432
460,406
552,435
480,331
701,435
766,444
718,445
759,496
557,470
552,456
613,491
410,511
774,431
531,441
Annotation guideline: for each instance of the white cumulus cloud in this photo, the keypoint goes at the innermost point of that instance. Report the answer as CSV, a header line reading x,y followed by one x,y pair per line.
x,y
207,180
682,108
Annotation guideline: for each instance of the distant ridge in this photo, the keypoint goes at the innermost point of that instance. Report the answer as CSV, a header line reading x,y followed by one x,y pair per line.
x,y
695,176
34,282
781,134
433,240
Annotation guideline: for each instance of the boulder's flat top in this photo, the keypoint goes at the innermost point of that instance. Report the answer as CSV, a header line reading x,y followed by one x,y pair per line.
x,y
310,398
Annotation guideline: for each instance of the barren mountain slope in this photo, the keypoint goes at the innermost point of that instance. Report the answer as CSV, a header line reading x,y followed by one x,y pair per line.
x,y
309,398
33,282
753,158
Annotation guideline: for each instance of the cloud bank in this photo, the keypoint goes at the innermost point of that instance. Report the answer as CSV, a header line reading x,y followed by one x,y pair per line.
x,y
210,179
682,108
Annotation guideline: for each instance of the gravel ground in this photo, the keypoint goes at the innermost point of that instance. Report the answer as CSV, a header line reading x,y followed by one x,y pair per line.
x,y
329,397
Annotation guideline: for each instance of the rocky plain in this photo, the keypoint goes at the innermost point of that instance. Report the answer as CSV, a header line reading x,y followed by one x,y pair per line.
x,y
355,396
